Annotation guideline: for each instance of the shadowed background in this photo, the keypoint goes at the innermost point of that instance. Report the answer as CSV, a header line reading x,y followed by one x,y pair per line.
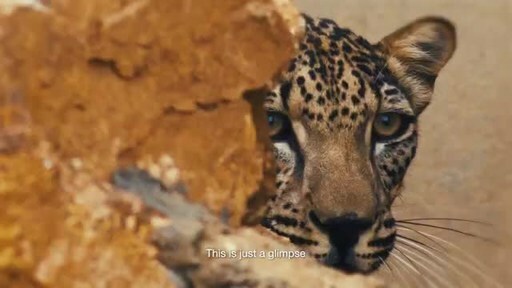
x,y
464,163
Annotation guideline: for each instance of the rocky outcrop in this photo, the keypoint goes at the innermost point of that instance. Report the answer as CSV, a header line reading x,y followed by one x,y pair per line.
x,y
132,142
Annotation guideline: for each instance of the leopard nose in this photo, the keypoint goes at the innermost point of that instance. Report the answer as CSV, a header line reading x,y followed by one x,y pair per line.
x,y
343,231
349,222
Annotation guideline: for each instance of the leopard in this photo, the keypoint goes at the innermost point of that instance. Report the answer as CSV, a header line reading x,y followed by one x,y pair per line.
x,y
343,121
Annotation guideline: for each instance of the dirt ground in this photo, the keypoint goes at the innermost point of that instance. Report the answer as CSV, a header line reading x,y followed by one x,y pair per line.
x,y
464,162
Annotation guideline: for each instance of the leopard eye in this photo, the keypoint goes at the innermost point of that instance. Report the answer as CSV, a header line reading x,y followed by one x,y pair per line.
x,y
390,125
278,124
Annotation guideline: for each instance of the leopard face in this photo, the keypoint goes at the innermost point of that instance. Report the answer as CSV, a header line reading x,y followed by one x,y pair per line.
x,y
344,124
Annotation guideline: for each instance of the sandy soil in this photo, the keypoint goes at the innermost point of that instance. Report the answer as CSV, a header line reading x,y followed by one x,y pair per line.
x,y
464,163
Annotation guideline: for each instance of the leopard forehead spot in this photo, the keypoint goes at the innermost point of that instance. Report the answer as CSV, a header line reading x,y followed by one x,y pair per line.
x,y
334,83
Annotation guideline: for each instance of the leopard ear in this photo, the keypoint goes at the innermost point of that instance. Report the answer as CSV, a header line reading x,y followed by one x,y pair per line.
x,y
416,53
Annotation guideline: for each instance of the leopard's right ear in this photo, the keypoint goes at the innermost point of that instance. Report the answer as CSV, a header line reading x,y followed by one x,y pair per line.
x,y
417,52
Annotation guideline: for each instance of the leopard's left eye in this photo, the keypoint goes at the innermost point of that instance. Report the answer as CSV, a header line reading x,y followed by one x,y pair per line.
x,y
390,125
279,125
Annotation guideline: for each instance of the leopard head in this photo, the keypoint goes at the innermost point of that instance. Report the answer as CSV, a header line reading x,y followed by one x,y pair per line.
x,y
344,121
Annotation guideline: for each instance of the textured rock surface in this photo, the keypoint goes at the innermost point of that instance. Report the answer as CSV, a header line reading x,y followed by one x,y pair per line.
x,y
173,88
171,76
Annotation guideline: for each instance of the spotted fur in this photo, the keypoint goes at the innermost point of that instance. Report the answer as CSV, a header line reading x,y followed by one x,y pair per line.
x,y
335,182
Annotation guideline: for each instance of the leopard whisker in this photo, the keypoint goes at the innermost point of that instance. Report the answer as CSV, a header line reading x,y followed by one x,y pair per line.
x,y
422,235
482,238
388,267
410,267
445,262
448,219
473,264
435,269
415,241
424,280
399,274
408,259
424,262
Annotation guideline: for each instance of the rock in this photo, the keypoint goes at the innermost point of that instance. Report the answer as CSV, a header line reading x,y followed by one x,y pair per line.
x,y
126,82
132,136
201,250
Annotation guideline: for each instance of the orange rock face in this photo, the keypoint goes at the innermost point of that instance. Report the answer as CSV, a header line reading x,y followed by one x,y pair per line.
x,y
89,86
131,79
